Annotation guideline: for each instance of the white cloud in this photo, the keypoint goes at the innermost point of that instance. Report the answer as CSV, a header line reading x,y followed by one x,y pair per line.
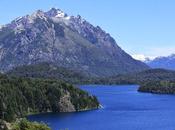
x,y
142,57
139,57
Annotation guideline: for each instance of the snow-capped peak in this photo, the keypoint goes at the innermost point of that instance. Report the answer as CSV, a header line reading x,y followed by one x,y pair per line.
x,y
60,14
53,12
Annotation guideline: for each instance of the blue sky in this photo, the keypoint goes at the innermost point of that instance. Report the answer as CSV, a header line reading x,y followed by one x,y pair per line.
x,y
144,27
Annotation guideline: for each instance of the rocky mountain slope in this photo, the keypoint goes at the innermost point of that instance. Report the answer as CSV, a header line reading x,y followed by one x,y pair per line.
x,y
67,41
163,62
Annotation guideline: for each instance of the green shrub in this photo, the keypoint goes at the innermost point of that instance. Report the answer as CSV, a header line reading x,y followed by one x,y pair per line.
x,y
26,125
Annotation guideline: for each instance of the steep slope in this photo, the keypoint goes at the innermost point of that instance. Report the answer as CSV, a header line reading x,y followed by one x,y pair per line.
x,y
67,41
163,62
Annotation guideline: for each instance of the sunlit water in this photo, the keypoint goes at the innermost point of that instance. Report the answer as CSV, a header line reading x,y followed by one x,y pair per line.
x,y
123,109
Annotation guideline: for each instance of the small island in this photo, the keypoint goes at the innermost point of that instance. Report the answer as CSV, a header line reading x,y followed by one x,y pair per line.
x,y
158,87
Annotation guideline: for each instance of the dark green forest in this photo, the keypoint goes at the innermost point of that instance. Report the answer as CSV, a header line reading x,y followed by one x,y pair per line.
x,y
139,77
22,96
50,71
159,87
151,76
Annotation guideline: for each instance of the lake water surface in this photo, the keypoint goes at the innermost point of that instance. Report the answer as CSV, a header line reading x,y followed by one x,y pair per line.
x,y
123,109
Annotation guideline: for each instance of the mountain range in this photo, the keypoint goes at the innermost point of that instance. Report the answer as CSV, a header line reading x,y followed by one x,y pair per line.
x,y
66,41
166,62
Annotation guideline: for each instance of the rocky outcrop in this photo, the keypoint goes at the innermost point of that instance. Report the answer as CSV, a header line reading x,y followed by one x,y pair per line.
x,y
65,104
4,125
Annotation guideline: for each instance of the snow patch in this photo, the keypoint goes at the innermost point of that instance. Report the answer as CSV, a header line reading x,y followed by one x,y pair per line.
x,y
67,18
60,14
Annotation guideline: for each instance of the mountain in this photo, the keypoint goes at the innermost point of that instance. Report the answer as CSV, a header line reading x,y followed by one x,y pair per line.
x,y
66,41
163,62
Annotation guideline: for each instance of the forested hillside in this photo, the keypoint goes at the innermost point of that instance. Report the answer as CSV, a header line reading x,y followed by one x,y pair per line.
x,y
22,96
49,71
159,87
140,77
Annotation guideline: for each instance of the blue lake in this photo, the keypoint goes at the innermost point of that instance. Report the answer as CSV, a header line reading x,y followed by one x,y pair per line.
x,y
123,109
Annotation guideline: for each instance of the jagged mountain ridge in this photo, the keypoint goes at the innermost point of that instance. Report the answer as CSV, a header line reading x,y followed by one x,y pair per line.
x,y
166,62
67,41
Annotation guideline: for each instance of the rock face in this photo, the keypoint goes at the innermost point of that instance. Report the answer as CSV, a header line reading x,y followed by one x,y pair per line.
x,y
163,62
4,125
65,104
67,41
